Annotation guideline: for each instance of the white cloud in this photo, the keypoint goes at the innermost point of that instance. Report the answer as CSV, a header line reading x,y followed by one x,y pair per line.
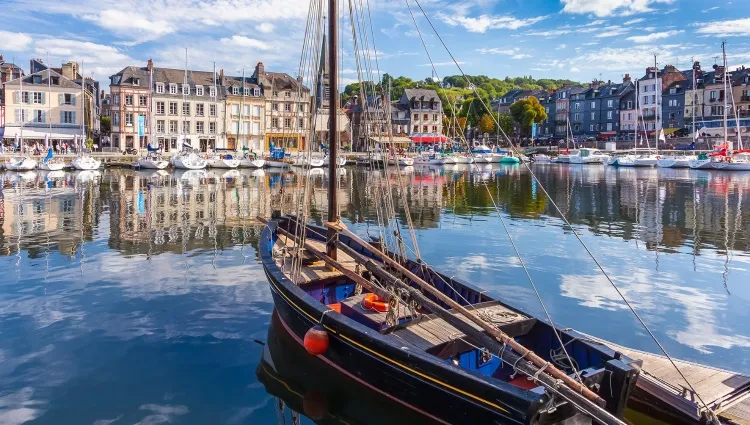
x,y
131,25
603,8
265,27
515,52
575,69
14,41
648,38
709,9
633,21
560,47
483,23
612,32
736,27
242,41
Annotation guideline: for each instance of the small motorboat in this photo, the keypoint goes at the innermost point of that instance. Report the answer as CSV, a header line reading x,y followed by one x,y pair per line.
x,y
20,163
86,163
222,161
588,156
151,161
401,160
541,158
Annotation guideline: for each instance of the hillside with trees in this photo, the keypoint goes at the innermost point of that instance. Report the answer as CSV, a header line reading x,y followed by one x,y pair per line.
x,y
455,92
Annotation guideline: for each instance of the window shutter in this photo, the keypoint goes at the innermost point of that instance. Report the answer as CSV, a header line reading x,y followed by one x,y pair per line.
x,y
62,117
73,99
60,99
73,121
18,115
44,98
17,97
44,116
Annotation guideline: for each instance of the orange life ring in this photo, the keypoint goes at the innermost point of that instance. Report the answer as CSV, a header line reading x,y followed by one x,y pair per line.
x,y
374,302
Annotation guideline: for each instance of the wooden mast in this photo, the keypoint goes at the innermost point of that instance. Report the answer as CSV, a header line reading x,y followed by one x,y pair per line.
x,y
333,106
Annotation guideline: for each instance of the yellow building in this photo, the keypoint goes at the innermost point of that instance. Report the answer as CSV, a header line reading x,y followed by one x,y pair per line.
x,y
245,114
45,106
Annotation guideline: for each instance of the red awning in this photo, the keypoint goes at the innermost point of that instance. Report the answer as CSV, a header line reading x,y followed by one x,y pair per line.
x,y
429,139
608,133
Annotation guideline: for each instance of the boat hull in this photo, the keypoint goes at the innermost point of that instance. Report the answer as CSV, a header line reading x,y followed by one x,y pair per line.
x,y
509,160
276,164
51,166
252,163
27,164
86,163
700,164
223,163
151,164
730,166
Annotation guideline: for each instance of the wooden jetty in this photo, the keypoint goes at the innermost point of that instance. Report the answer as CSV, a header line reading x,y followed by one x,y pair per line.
x,y
726,393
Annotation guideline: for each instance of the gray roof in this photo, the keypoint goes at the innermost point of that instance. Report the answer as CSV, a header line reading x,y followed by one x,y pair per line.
x,y
28,80
129,75
280,81
425,94
579,90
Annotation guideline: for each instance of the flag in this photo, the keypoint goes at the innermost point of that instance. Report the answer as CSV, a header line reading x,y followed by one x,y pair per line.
x,y
662,137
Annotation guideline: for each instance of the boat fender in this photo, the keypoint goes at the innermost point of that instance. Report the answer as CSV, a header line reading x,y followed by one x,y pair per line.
x,y
374,302
316,340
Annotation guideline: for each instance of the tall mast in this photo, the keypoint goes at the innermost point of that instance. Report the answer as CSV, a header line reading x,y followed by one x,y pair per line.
x,y
213,118
726,129
184,99
695,90
49,103
242,101
657,130
150,101
23,110
333,107
83,109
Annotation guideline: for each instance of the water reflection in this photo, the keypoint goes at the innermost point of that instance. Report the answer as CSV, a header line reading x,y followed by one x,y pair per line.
x,y
136,296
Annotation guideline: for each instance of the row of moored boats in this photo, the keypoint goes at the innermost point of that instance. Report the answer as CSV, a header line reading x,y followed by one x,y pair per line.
x,y
719,160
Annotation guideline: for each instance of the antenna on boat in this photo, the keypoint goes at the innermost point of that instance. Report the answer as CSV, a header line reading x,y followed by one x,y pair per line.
x,y
333,106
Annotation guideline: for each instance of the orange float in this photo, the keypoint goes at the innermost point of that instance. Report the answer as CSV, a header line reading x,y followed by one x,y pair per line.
x,y
374,302
316,340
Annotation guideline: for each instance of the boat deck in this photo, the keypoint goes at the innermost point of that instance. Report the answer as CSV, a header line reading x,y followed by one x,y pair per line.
x,y
432,331
312,268
727,393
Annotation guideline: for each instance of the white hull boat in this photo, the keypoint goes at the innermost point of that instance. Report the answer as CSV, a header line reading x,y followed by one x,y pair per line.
x,y
542,159
223,163
588,156
460,159
86,163
188,161
402,161
563,159
449,160
737,162
151,163
20,163
312,162
646,161
276,164
252,163
51,166
675,162
701,164
341,160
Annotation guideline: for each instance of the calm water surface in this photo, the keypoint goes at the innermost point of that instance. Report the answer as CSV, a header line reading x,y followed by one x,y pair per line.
x,y
137,297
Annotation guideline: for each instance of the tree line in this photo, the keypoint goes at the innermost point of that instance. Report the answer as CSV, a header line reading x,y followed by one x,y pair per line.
x,y
466,99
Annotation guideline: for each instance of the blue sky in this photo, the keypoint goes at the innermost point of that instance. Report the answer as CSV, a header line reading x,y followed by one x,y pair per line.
x,y
577,39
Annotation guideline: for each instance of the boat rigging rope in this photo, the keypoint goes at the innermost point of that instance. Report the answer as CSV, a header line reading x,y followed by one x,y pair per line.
x,y
499,213
710,412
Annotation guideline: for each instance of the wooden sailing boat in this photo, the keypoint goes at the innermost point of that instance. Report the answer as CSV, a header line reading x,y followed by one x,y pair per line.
x,y
434,344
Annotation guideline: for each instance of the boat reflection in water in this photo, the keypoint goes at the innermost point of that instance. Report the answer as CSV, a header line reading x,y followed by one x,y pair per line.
x,y
307,385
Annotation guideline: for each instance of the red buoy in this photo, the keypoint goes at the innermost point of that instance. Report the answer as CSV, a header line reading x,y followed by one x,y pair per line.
x,y
316,340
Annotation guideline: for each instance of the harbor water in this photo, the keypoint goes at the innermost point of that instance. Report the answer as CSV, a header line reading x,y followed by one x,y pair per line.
x,y
136,297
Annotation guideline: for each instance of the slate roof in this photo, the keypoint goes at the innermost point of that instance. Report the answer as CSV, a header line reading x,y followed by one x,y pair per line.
x,y
280,81
129,74
28,80
421,93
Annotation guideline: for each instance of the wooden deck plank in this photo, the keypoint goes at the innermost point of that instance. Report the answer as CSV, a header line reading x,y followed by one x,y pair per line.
x,y
317,270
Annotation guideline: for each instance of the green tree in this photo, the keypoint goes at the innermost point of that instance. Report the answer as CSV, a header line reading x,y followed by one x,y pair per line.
x,y
105,125
527,111
486,124
506,124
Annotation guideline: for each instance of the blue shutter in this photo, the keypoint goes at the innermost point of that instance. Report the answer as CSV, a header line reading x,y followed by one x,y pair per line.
x,y
73,120
62,117
44,98
60,99
17,97
73,99
44,116
18,115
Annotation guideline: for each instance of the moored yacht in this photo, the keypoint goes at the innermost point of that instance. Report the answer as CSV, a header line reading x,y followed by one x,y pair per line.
x,y
20,163
188,160
152,161
222,161
588,156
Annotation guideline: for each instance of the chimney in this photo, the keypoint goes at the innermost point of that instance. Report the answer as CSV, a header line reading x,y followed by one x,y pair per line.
x,y
221,76
260,71
595,84
150,65
2,59
70,70
626,78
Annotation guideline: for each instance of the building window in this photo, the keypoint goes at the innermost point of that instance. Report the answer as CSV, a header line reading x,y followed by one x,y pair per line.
x,y
199,90
159,108
275,106
593,116
199,127
173,126
236,126
160,126
160,88
235,109
212,110
128,119
116,118
653,99
142,100
416,117
38,97
288,94
128,99
186,127
186,108
609,115
173,89
630,104
609,126
116,100
434,129
246,111
274,122
235,91
246,91
212,92
212,128
172,108
578,106
593,105
610,103
287,122
425,117
302,123
424,129
256,110
671,115
713,94
70,99
275,93
38,116
288,107
256,92
645,100
199,109
185,89
591,127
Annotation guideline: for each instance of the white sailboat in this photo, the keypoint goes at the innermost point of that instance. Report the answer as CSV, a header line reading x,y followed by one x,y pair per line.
x,y
222,161
50,163
340,160
187,159
83,160
152,160
565,157
682,161
251,161
20,162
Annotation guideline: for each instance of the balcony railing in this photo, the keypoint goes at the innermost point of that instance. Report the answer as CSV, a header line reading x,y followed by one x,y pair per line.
x,y
744,98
